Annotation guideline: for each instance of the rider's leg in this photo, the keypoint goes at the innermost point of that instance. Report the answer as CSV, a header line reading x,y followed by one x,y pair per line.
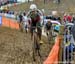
x,y
39,33
21,28
31,31
25,26
39,30
47,32
40,36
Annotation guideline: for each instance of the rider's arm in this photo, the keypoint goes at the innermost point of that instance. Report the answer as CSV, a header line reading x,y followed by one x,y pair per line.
x,y
40,13
28,14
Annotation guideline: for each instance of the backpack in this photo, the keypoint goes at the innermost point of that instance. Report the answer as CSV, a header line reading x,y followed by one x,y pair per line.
x,y
57,28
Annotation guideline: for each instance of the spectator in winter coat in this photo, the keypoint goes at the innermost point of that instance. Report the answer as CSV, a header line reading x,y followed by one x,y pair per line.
x,y
55,16
73,31
65,17
69,18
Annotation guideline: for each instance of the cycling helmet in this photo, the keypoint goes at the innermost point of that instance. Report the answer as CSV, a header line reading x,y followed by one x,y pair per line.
x,y
33,6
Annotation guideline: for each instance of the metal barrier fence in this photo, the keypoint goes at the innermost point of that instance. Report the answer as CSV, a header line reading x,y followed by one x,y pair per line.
x,y
68,49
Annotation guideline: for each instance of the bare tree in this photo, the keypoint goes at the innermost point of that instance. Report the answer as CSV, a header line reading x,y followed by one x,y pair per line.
x,y
28,1
44,1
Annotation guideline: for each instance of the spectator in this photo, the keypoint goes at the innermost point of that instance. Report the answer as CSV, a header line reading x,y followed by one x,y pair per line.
x,y
21,21
69,18
73,19
25,22
65,17
20,18
17,16
55,16
73,31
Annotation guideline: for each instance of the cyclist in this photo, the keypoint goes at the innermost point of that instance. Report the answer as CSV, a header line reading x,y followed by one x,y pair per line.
x,y
25,22
20,21
35,21
48,27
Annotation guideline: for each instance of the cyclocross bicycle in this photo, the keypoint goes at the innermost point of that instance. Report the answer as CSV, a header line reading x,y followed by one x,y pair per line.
x,y
36,44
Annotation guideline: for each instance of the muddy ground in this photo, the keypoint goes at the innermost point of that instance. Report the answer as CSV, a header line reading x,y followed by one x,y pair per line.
x,y
16,47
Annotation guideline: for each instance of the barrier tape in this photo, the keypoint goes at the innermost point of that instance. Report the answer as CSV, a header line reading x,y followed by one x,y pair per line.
x,y
10,23
54,54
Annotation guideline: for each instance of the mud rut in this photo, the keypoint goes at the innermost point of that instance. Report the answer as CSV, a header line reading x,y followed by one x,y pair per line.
x,y
16,47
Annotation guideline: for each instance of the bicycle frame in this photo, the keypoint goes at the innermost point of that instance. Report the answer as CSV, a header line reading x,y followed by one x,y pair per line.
x,y
36,45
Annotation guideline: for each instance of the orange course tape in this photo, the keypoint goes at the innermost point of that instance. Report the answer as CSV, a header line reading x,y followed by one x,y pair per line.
x,y
17,26
12,24
53,56
5,22
9,23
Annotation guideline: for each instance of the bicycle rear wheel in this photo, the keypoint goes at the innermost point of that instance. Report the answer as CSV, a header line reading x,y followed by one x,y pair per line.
x,y
36,48
34,45
49,37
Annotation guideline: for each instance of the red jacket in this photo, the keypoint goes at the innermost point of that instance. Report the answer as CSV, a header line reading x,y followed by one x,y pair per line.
x,y
69,18
65,18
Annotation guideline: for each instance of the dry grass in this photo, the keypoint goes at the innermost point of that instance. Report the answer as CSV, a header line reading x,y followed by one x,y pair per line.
x,y
66,5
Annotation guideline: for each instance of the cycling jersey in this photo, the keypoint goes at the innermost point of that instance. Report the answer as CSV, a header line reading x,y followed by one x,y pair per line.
x,y
48,26
35,18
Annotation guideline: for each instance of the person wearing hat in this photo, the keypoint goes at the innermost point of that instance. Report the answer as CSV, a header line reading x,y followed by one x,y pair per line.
x,y
55,16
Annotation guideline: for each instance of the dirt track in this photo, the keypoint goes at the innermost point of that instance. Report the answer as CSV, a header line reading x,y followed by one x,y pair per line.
x,y
16,47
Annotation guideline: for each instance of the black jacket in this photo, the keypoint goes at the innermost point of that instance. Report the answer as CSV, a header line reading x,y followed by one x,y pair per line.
x,y
48,26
